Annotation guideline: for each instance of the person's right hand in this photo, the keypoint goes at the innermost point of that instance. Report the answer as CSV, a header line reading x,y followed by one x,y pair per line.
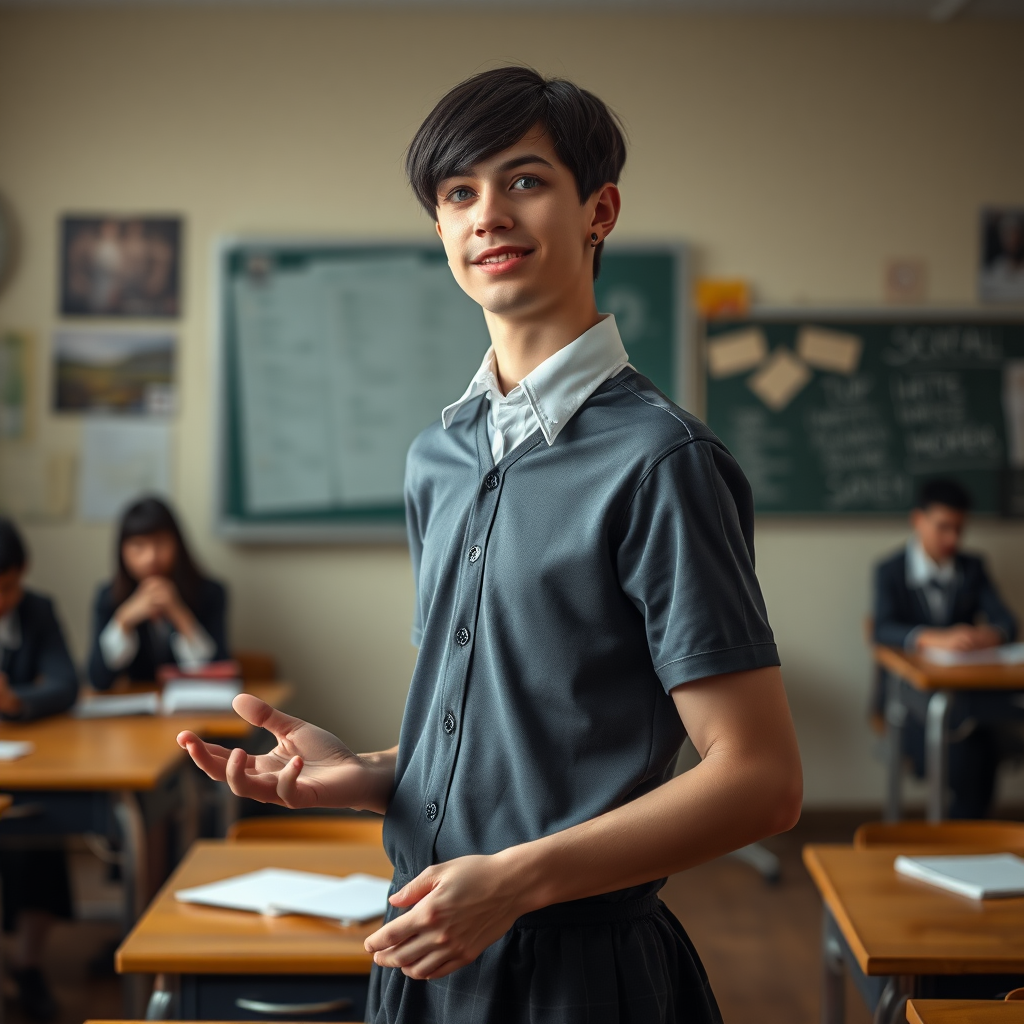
x,y
146,603
309,767
953,638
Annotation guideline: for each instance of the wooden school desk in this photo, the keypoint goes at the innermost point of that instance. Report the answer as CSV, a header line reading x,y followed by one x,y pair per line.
x,y
902,930
937,683
964,1011
233,965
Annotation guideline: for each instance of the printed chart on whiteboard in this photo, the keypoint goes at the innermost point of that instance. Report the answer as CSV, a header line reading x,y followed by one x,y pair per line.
x,y
836,415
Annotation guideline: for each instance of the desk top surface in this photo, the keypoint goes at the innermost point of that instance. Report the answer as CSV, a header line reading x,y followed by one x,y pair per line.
x,y
964,1011
184,938
115,753
5,801
896,925
925,675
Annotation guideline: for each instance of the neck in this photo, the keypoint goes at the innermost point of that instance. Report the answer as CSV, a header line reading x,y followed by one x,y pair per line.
x,y
522,341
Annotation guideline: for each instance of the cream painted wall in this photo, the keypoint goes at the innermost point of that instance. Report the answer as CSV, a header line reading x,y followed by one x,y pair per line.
x,y
800,153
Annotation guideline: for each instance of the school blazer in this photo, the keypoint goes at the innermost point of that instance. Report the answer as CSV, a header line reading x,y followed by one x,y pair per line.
x,y
40,671
210,610
900,609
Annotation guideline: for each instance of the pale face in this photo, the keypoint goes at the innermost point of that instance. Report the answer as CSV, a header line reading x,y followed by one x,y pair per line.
x,y
11,590
939,528
517,237
150,554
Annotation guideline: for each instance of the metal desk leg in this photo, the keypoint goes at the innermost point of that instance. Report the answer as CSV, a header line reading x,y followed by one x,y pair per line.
x,y
892,1007
895,716
162,1003
833,977
936,752
133,869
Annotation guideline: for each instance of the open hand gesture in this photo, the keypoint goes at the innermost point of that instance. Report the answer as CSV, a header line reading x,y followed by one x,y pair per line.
x,y
309,767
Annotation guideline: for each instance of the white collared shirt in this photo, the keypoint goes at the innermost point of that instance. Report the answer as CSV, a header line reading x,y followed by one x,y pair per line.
x,y
923,573
119,646
10,631
550,394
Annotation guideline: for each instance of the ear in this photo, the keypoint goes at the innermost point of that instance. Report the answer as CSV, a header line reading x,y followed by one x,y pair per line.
x,y
606,203
437,228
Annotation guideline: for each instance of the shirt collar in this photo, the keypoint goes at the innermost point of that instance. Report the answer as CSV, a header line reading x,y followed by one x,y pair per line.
x,y
10,631
922,570
561,384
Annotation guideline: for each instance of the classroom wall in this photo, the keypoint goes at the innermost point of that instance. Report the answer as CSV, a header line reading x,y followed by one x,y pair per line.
x,y
800,153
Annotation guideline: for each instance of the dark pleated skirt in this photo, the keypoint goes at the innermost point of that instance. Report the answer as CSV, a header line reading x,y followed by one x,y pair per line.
x,y
587,962
34,880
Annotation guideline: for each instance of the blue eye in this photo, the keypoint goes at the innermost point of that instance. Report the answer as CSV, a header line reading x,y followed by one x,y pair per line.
x,y
526,182
459,195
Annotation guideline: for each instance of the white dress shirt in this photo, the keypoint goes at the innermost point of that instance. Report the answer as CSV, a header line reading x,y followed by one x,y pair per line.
x,y
550,394
119,646
936,581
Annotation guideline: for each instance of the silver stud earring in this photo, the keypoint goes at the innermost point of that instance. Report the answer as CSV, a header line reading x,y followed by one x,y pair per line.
x,y
593,240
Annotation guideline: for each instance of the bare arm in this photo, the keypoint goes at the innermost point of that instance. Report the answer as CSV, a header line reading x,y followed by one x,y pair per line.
x,y
748,785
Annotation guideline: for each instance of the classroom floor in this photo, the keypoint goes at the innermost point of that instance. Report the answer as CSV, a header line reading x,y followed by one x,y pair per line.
x,y
759,943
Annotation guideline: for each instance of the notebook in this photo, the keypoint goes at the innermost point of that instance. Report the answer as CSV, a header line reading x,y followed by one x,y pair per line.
x,y
1006,654
277,891
178,696
11,750
980,876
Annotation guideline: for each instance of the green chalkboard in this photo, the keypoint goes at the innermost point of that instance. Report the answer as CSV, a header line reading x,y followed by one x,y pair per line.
x,y
332,357
846,415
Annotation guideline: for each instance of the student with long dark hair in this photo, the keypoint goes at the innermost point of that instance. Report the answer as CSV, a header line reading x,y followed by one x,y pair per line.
x,y
159,609
37,678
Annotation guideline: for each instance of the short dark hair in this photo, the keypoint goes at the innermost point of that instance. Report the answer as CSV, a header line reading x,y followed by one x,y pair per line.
x,y
147,516
943,492
12,548
493,110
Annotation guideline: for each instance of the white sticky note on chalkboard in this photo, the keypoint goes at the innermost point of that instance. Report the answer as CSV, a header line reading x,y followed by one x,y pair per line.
x,y
832,351
779,381
737,352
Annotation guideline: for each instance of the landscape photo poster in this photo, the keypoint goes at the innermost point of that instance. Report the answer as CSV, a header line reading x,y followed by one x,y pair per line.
x,y
118,266
114,371
1001,269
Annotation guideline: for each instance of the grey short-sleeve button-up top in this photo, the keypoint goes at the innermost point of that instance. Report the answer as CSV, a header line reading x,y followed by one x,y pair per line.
x,y
602,571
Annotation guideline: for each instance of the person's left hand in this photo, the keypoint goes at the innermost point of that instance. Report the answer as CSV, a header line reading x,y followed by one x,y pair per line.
x,y
458,909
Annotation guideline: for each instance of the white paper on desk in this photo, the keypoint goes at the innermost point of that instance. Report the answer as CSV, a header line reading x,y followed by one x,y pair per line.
x,y
198,695
11,750
979,876
348,900
1006,654
122,457
277,891
117,705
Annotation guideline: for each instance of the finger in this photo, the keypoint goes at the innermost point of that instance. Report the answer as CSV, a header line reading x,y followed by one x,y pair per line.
x,y
415,890
261,787
407,953
434,966
288,782
259,713
187,736
395,932
214,764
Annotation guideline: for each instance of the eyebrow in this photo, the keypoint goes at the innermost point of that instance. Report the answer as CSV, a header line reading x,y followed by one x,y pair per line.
x,y
508,165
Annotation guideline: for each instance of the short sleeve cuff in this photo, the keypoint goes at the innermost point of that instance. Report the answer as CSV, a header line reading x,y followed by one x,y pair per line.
x,y
716,663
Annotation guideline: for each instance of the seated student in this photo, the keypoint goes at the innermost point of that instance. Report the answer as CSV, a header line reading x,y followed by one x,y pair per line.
x,y
159,609
931,594
37,678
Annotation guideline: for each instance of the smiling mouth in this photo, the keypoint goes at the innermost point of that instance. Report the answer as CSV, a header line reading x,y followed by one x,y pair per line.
x,y
502,260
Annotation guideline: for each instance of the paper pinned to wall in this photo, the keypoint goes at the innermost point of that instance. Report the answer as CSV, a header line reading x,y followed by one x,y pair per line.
x,y
779,381
121,459
737,352
828,350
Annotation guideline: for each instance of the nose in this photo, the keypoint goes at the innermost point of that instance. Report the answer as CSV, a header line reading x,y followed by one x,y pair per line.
x,y
492,213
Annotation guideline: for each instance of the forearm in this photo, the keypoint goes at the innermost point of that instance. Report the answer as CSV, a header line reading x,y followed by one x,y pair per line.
x,y
725,802
379,780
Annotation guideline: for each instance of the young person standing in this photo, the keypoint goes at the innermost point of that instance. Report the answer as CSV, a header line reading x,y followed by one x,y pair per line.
x,y
586,598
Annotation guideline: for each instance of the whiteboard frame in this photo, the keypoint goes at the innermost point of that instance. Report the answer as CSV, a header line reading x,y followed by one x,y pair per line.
x,y
686,365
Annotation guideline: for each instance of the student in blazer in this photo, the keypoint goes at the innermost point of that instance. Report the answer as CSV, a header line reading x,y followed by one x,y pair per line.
x,y
37,678
930,594
159,609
